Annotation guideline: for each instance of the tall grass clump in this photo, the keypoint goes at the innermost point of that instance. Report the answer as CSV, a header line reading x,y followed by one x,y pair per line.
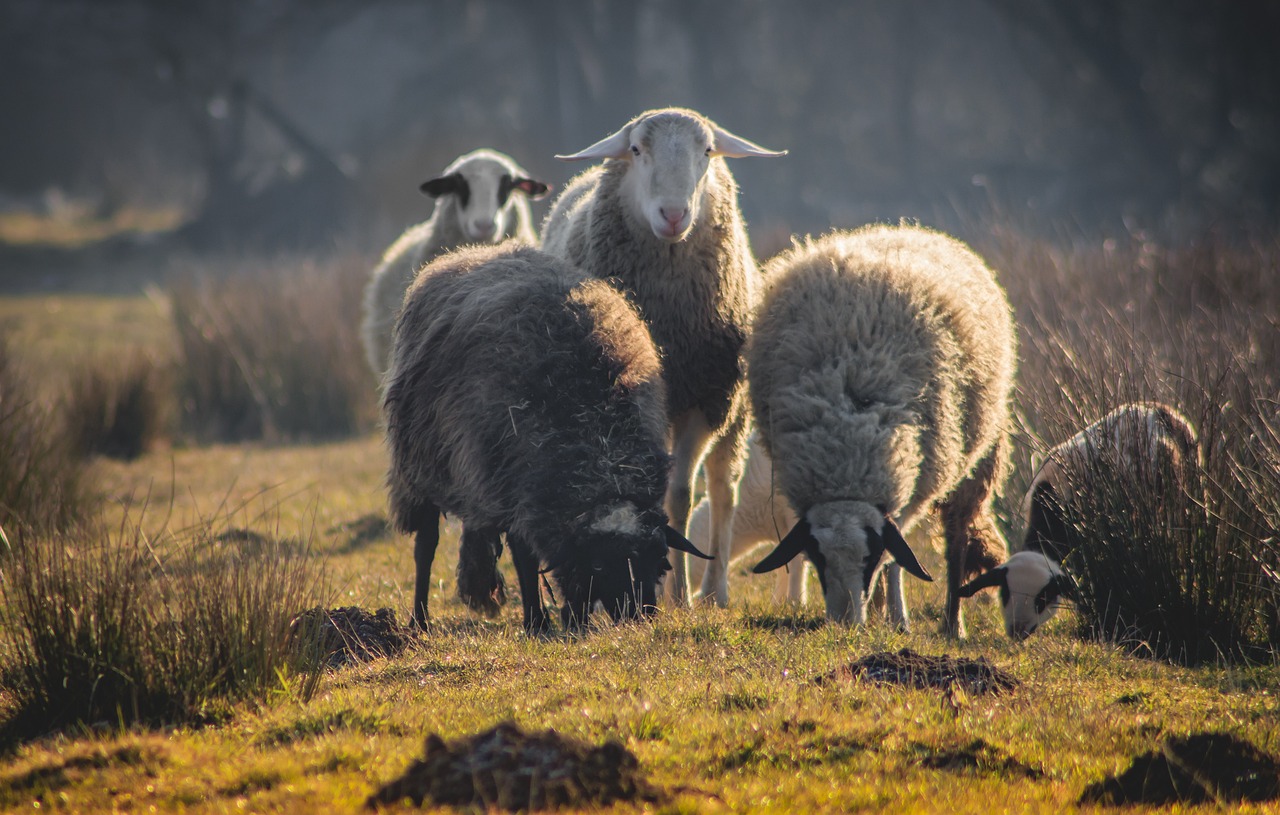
x,y
1182,566
43,483
118,407
123,629
270,350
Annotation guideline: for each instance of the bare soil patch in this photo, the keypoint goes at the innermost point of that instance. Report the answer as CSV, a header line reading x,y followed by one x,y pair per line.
x,y
906,667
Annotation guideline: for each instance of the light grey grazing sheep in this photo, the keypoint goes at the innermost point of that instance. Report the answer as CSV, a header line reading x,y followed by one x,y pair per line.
x,y
660,218
880,369
761,516
474,204
1135,439
526,398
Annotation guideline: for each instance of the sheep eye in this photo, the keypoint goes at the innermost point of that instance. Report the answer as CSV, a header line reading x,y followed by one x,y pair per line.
x,y
635,150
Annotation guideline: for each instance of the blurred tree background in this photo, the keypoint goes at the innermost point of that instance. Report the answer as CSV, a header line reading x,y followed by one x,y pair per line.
x,y
280,123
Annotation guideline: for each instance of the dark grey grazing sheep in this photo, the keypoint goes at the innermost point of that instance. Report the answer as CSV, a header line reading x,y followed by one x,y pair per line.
x,y
527,398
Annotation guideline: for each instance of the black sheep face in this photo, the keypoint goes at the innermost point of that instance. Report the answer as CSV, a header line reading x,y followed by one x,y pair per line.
x,y
618,570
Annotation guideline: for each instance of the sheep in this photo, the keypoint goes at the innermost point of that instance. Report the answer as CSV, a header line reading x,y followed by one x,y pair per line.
x,y
880,374
474,204
527,398
761,515
1134,439
660,217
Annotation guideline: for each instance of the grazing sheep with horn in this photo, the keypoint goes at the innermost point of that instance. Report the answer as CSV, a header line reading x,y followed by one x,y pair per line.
x,y
1134,440
880,370
660,218
527,398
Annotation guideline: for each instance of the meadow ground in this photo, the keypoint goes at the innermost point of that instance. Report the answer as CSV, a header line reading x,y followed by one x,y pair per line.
x,y
721,707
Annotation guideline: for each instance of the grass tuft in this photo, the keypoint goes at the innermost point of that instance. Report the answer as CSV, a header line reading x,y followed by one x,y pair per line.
x,y
124,628
271,352
119,408
43,483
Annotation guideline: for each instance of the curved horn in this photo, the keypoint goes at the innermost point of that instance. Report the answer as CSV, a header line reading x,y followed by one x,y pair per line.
x,y
897,546
677,541
731,146
793,543
987,580
617,145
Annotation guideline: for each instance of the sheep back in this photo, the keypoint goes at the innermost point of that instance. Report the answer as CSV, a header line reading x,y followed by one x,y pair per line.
x,y
880,368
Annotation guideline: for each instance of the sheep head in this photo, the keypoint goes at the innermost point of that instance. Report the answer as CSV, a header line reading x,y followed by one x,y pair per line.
x,y
483,181
623,556
845,541
669,152
1031,587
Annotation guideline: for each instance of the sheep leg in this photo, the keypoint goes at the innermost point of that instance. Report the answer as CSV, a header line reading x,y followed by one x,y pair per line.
x,y
894,597
972,541
480,584
526,563
425,539
724,466
690,433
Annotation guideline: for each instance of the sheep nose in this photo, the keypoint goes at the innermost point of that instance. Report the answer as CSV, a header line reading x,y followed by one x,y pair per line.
x,y
482,230
673,215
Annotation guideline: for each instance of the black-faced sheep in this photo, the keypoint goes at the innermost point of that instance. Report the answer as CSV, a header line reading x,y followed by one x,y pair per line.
x,y
880,371
481,197
1134,440
661,218
527,398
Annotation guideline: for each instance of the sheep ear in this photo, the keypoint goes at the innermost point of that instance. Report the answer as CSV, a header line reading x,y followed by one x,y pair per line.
x,y
998,576
677,541
531,187
793,543
731,146
445,184
617,145
897,546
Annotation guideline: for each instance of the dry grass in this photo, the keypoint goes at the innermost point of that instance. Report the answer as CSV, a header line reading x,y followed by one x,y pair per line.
x,y
270,350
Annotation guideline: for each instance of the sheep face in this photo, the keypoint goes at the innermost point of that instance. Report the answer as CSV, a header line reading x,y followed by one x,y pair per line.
x,y
669,152
483,185
845,541
625,556
1031,588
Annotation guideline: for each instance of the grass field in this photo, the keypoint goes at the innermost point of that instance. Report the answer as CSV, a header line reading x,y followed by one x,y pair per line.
x,y
720,706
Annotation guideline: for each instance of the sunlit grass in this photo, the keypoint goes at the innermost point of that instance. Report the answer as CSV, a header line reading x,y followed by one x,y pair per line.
x,y
80,227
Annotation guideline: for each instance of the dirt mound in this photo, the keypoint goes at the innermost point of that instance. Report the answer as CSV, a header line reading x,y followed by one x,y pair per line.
x,y
1193,769
350,634
507,768
906,667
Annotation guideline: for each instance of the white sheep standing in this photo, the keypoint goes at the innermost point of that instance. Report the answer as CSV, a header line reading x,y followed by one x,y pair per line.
x,y
881,368
474,204
660,218
761,516
1135,440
